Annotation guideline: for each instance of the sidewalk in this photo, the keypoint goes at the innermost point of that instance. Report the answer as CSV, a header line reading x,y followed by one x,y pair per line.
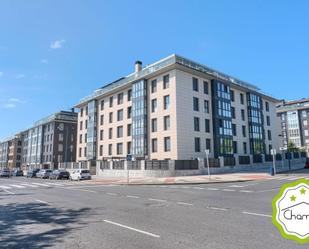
x,y
196,179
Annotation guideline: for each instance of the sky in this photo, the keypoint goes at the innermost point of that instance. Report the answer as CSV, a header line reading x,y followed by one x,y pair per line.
x,y
53,53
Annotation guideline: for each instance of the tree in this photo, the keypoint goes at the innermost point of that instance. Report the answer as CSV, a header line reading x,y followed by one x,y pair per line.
x,y
292,147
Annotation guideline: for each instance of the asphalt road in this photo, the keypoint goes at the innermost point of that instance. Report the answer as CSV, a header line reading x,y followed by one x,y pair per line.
x,y
37,213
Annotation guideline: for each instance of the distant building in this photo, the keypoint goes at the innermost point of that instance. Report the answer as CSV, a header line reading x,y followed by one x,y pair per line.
x,y
50,141
294,120
10,152
173,109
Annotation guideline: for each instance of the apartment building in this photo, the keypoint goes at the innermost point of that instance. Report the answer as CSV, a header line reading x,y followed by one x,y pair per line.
x,y
10,152
50,141
294,119
175,108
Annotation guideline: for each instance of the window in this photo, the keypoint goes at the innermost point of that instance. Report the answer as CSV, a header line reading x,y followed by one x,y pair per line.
x,y
119,131
129,112
232,95
166,81
242,99
110,117
153,86
101,135
101,119
81,112
195,84
101,150
233,111
243,114
166,101
305,122
120,115
196,122
110,149
208,144
304,114
129,95
85,137
60,136
119,148
244,147
205,84
167,124
60,147
111,99
154,105
129,129
80,138
270,147
154,145
110,133
244,131
86,110
154,127
234,130
235,147
268,120
86,124
102,105
197,144
195,104
80,125
206,106
269,134
207,126
306,133
167,144
128,147
267,106
120,99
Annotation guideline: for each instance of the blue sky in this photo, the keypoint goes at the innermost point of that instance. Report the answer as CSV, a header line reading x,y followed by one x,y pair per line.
x,y
53,53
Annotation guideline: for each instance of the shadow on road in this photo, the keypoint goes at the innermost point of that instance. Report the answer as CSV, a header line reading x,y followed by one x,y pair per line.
x,y
36,225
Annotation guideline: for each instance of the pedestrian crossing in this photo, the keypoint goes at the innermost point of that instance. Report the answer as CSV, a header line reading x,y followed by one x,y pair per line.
x,y
290,177
36,185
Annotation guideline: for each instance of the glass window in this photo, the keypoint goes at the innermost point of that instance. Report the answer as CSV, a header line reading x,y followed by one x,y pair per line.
x,y
154,105
196,124
110,133
154,145
101,119
81,125
101,135
129,95
120,115
206,106
129,129
80,138
120,99
268,120
195,84
129,147
208,147
195,104
243,114
233,111
129,112
166,81
205,83
304,114
267,106
154,127
167,144
269,134
85,137
111,99
119,131
81,112
244,131
167,122
234,130
101,150
242,99
153,86
110,149
60,136
119,148
207,126
60,147
102,105
197,144
235,147
110,117
232,95
166,102
245,147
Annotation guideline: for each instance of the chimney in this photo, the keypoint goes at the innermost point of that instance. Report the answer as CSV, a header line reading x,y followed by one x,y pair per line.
x,y
72,109
138,66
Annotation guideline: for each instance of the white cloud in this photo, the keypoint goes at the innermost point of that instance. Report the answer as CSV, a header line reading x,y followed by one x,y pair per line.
x,y
57,44
9,105
20,76
16,100
44,61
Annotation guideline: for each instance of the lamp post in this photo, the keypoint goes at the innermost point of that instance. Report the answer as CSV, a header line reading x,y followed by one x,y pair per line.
x,y
207,160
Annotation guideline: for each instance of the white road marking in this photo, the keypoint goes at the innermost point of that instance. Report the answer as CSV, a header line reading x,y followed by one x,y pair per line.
x,y
236,186
159,200
5,187
111,194
183,187
198,188
163,186
132,196
85,190
43,202
9,192
217,208
41,184
184,203
256,214
56,184
29,185
246,191
133,229
228,190
295,178
212,189
17,186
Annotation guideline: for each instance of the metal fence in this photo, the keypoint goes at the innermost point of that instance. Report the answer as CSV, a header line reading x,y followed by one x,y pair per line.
x,y
134,165
213,163
257,158
118,165
244,159
156,165
229,161
186,164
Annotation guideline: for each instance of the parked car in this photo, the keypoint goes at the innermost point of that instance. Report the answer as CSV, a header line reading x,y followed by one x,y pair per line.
x,y
5,173
307,163
80,174
59,174
44,173
18,172
32,173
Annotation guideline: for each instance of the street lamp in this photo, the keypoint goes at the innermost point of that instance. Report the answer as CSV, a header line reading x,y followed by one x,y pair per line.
x,y
207,160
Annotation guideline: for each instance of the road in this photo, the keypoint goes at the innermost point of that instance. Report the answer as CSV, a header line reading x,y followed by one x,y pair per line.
x,y
37,213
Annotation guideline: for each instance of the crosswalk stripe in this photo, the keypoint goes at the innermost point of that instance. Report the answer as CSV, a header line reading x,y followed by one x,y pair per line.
x,y
56,184
41,184
5,187
29,185
17,186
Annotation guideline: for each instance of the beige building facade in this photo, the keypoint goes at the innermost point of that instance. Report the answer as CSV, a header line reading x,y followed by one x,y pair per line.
x,y
175,109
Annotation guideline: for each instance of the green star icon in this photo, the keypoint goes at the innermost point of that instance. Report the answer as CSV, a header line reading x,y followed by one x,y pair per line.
x,y
302,191
293,198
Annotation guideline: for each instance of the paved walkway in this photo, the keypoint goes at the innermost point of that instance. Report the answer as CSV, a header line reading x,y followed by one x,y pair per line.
x,y
197,179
